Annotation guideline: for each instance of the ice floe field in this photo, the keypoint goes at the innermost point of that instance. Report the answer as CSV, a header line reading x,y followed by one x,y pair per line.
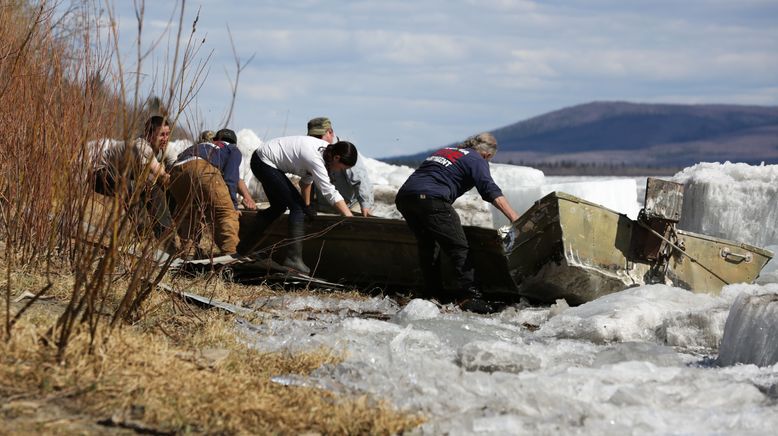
x,y
648,360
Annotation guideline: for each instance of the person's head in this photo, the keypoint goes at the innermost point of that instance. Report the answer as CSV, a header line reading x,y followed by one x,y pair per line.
x,y
339,156
321,128
157,132
206,136
483,143
226,135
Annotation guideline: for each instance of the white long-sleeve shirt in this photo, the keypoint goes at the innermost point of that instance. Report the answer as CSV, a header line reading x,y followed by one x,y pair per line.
x,y
116,156
300,155
354,185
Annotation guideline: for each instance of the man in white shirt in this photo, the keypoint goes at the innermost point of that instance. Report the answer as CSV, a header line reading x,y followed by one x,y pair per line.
x,y
310,158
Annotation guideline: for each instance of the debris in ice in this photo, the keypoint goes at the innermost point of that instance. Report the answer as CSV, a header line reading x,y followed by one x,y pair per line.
x,y
528,317
751,331
497,356
297,303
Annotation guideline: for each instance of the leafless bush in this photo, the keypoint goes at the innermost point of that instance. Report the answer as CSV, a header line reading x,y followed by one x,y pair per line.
x,y
63,87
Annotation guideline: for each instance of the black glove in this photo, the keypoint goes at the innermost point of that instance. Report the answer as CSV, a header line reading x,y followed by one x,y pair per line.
x,y
310,213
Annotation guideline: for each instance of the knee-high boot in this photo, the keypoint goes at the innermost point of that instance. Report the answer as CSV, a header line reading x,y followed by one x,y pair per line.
x,y
294,251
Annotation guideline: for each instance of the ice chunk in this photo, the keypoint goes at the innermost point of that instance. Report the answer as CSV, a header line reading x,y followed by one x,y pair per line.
x,y
751,332
694,329
512,176
361,326
769,273
731,200
558,307
638,351
635,314
619,195
417,309
500,424
382,173
730,293
173,149
248,142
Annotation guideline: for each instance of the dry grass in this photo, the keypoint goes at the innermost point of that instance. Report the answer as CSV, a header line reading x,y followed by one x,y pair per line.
x,y
179,370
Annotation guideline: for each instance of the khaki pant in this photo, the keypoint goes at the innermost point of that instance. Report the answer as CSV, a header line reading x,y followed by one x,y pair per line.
x,y
201,194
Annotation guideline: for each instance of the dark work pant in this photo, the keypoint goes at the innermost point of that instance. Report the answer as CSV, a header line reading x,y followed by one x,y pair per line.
x,y
281,194
153,198
202,195
437,227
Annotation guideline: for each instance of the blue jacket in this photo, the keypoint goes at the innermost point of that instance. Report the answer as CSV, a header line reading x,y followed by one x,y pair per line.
x,y
224,156
450,172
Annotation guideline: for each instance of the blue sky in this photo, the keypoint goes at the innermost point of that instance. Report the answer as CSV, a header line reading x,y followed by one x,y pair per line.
x,y
397,77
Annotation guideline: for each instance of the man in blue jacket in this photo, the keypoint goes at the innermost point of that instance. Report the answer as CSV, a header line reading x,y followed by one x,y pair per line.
x,y
204,182
425,201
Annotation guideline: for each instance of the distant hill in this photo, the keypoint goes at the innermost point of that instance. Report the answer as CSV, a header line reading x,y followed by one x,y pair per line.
x,y
607,134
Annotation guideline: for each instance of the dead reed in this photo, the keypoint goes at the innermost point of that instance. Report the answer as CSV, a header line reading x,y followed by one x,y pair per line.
x,y
63,89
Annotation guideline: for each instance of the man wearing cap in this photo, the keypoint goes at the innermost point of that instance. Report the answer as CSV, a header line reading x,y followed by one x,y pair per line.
x,y
425,202
352,183
204,183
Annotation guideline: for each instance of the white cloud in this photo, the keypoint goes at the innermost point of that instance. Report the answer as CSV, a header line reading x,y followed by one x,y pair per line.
x,y
532,64
505,5
410,48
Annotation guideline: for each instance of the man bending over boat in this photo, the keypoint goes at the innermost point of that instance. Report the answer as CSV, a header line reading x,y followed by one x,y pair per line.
x,y
204,183
425,202
313,160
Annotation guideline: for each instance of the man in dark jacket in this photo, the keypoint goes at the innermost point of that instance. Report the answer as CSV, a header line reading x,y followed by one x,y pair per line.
x,y
425,201
204,182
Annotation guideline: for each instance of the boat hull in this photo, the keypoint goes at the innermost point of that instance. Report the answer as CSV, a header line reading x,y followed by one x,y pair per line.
x,y
376,252
566,247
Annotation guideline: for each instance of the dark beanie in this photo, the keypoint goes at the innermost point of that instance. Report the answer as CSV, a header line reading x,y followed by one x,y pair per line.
x,y
226,135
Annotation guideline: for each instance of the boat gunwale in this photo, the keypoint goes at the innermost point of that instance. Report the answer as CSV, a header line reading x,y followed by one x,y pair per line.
x,y
761,251
758,250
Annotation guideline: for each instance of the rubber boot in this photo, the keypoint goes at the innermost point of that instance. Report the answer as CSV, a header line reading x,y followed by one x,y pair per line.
x,y
474,302
294,251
